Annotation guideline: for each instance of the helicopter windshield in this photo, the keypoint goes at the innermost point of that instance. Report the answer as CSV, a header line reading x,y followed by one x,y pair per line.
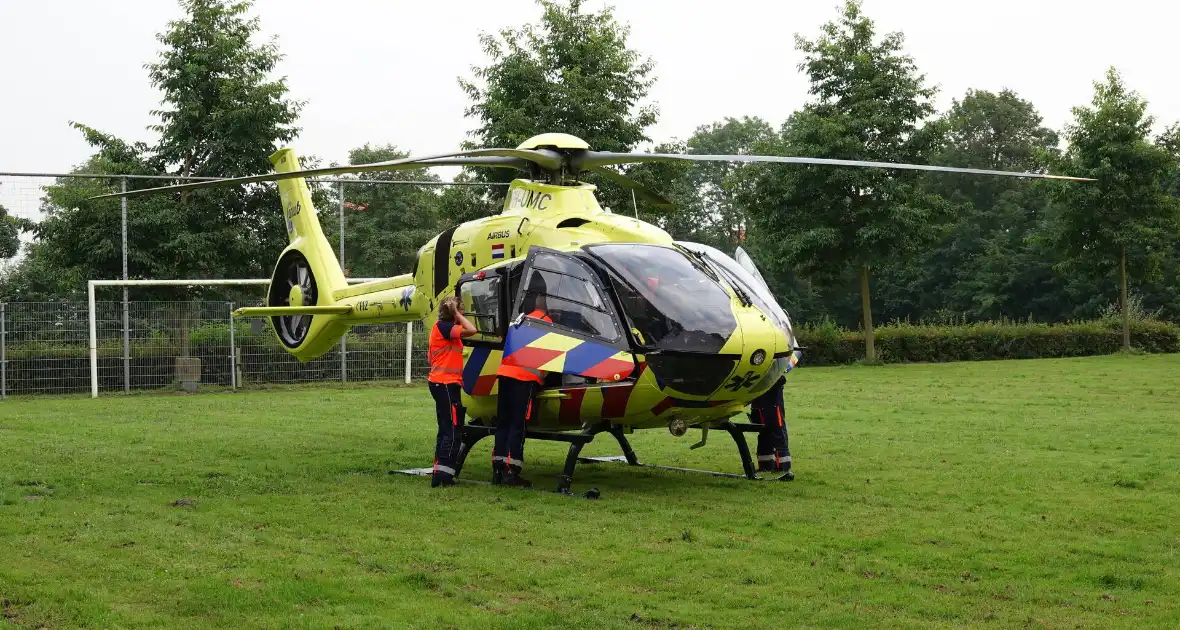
x,y
672,301
755,286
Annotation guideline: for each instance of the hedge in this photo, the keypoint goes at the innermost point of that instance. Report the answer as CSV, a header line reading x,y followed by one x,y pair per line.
x,y
908,343
378,354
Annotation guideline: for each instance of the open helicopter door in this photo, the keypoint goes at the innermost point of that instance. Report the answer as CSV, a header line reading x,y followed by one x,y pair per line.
x,y
484,296
563,322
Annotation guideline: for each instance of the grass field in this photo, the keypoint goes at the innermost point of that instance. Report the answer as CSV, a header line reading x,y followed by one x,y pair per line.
x,y
1003,494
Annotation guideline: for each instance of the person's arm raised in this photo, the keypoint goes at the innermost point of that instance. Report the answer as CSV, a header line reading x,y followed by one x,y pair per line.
x,y
467,328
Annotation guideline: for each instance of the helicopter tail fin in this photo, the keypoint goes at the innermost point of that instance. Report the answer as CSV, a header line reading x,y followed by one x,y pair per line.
x,y
303,226
310,304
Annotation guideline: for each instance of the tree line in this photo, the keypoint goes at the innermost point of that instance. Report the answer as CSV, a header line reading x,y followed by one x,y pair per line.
x,y
852,246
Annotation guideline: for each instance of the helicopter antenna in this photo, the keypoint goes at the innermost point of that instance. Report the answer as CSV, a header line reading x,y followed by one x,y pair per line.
x,y
633,204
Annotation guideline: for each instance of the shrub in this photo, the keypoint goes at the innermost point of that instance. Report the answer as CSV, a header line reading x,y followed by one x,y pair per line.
x,y
826,344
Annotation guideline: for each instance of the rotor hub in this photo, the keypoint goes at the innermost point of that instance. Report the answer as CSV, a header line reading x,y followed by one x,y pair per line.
x,y
295,297
554,141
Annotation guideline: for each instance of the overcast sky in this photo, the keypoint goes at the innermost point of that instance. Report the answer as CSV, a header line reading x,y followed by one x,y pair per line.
x,y
384,71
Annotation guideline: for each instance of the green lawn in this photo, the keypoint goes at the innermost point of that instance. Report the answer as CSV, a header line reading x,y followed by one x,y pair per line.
x,y
1002,494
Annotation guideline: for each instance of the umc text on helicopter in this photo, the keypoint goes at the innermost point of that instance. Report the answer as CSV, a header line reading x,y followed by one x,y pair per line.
x,y
529,199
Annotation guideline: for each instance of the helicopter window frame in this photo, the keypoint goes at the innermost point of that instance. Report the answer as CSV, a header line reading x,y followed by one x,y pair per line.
x,y
613,280
492,338
607,305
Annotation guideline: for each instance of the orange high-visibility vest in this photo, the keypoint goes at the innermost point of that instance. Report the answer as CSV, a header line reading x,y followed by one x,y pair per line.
x,y
446,354
523,373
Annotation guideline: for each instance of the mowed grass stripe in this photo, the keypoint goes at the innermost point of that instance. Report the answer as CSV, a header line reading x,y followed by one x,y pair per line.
x,y
992,494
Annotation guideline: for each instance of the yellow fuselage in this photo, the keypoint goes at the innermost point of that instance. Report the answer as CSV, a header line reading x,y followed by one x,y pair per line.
x,y
566,218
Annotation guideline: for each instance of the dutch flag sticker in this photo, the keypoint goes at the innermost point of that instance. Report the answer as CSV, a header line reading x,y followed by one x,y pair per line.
x,y
497,250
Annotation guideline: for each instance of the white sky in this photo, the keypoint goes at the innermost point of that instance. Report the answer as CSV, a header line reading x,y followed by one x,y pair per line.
x,y
385,71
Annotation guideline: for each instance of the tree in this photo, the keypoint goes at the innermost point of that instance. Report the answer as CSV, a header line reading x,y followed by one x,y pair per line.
x,y
707,208
84,236
467,201
387,223
35,278
1125,220
571,73
870,103
983,267
10,229
1169,141
221,115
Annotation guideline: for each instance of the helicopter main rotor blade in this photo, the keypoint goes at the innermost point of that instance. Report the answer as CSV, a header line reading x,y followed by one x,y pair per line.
x,y
509,158
643,191
591,159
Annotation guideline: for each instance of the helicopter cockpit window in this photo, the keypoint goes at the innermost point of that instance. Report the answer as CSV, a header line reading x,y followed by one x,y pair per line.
x,y
670,300
754,286
561,288
481,303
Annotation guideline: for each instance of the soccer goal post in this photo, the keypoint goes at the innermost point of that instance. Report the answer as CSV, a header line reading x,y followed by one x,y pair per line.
x,y
92,316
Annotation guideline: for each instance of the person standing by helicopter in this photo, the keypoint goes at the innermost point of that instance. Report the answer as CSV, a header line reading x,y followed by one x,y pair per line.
x,y
518,389
444,380
774,454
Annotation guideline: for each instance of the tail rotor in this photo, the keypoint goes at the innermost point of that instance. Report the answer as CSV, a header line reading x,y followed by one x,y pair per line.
x,y
293,284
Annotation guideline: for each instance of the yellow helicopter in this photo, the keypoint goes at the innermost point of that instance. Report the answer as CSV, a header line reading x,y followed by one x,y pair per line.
x,y
647,332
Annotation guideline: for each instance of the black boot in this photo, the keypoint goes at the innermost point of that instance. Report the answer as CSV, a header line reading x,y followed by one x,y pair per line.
x,y
443,476
497,473
784,465
512,478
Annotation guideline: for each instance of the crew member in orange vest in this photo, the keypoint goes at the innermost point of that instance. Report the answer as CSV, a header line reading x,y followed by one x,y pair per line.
x,y
518,388
444,381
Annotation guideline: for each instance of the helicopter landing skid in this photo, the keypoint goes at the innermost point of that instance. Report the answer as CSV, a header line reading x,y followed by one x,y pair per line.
x,y
473,433
736,430
788,476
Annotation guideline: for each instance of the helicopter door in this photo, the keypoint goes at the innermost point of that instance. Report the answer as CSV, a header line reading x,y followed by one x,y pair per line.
x,y
562,322
485,304
482,297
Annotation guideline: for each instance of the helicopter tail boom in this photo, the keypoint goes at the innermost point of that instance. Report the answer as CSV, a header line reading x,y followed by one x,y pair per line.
x,y
271,311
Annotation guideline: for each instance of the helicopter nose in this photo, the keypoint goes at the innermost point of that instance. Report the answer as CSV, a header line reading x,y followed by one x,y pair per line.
x,y
760,340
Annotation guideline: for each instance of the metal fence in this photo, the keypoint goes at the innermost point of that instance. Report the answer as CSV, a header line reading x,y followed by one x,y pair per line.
x,y
44,349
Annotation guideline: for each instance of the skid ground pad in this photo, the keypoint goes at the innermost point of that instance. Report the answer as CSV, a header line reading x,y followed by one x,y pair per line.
x,y
419,472
599,460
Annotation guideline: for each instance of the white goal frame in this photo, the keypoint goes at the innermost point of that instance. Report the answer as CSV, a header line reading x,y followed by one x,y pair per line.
x,y
91,315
